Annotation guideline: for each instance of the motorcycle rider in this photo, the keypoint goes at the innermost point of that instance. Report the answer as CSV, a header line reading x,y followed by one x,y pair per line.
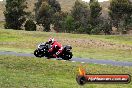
x,y
55,46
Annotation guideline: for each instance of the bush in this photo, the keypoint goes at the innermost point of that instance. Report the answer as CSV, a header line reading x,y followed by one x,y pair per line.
x,y
30,25
96,30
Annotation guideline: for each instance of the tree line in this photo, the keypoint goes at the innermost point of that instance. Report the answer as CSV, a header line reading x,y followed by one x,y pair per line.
x,y
83,18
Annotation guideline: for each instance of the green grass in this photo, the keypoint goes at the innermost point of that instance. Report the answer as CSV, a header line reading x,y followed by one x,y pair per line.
x,y
112,47
21,72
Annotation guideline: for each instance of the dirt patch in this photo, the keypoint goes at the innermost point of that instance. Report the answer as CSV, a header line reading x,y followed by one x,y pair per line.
x,y
86,43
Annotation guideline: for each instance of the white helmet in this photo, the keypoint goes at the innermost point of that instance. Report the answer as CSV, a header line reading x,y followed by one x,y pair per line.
x,y
51,40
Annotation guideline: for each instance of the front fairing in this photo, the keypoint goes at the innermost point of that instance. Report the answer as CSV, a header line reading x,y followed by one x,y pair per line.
x,y
41,45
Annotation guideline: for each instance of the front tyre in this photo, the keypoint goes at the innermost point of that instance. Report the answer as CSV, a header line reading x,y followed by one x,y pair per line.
x,y
67,56
38,53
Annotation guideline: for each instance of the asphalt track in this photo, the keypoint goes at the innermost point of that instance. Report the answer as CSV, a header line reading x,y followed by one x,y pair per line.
x,y
82,60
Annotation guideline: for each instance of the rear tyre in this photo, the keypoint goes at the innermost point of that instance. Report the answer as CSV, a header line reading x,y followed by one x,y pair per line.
x,y
67,56
38,53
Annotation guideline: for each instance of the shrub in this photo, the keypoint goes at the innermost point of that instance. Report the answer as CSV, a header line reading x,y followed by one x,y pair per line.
x,y
30,25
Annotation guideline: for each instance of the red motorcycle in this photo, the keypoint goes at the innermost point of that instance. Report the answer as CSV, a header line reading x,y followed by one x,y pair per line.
x,y
43,48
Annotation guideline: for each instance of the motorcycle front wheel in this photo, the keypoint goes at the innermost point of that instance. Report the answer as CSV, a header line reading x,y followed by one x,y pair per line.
x,y
38,53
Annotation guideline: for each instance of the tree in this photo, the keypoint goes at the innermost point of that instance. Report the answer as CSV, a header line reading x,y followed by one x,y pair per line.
x,y
59,21
95,10
45,9
106,26
128,20
120,11
15,14
69,24
80,12
55,5
129,23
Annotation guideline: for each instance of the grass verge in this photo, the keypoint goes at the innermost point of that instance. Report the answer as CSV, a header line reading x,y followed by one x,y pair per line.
x,y
20,72
110,47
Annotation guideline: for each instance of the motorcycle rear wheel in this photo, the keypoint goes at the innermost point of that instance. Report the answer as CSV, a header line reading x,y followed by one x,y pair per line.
x,y
67,56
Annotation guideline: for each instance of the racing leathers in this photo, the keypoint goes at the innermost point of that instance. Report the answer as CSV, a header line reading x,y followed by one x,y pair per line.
x,y
56,46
